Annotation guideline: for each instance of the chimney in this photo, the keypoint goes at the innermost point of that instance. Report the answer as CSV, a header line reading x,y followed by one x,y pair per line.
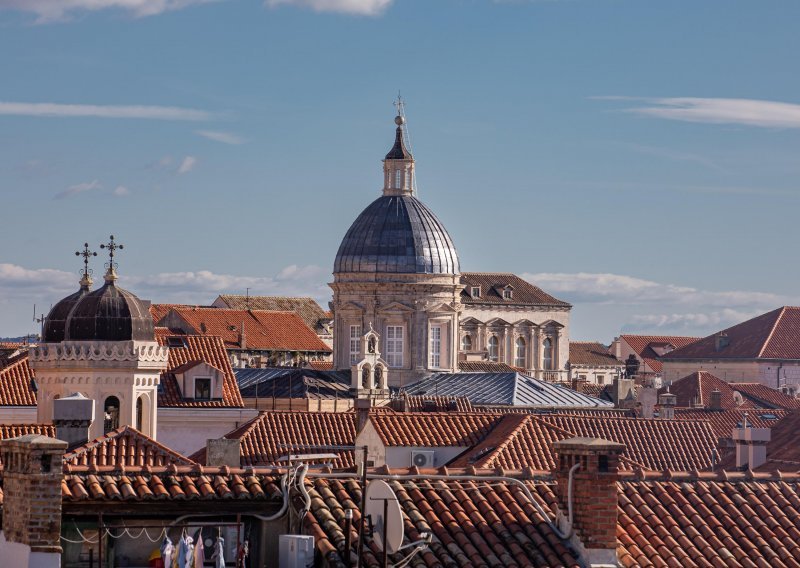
x,y
621,391
224,451
751,445
362,406
32,506
594,495
242,338
716,400
721,341
72,417
648,396
666,402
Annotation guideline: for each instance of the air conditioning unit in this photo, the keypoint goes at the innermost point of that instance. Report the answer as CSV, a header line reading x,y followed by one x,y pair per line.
x,y
295,551
423,458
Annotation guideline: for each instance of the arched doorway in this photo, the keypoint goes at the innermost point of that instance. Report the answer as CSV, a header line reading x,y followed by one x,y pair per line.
x,y
110,414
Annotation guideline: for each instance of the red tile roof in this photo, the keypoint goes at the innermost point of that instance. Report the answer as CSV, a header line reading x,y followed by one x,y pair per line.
x,y
15,383
268,437
264,330
695,390
723,423
774,335
307,308
783,451
641,344
766,396
473,523
591,354
158,311
521,441
433,429
197,348
124,446
321,365
492,284
709,523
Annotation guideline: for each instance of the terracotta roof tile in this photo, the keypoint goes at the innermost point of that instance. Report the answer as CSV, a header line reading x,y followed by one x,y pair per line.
x,y
592,354
694,390
15,383
783,451
264,330
432,429
766,396
723,423
269,436
124,446
197,348
492,284
773,335
307,308
643,346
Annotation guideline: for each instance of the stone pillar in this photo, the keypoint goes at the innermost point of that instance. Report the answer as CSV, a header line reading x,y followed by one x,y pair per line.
x,y
594,494
32,506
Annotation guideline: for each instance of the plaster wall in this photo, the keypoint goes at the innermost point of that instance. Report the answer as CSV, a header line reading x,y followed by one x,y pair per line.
x,y
186,430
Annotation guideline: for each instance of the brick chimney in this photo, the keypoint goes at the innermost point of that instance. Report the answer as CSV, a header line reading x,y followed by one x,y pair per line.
x,y
667,402
716,400
32,505
72,417
751,445
594,495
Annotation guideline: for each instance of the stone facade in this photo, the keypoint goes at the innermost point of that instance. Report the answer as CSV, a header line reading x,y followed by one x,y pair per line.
x,y
128,371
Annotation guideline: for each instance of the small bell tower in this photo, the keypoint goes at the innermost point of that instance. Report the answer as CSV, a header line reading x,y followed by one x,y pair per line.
x,y
398,165
369,376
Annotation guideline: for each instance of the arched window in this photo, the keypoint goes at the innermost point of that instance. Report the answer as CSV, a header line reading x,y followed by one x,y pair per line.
x,y
519,356
398,176
548,355
110,414
139,412
493,348
466,343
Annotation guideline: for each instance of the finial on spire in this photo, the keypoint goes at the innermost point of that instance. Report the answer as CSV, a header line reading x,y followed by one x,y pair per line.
x,y
86,275
111,273
399,104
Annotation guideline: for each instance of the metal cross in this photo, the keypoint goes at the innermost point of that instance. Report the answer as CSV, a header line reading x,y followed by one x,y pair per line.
x,y
111,246
400,105
86,254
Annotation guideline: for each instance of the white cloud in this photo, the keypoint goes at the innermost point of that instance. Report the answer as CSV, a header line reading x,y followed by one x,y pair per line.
x,y
217,136
57,10
357,7
121,191
716,319
77,189
749,112
102,111
187,165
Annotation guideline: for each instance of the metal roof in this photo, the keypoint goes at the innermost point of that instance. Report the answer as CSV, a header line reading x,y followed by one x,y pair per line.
x,y
293,382
513,389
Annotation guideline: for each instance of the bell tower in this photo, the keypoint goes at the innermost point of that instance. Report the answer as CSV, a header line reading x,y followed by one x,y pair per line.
x,y
369,376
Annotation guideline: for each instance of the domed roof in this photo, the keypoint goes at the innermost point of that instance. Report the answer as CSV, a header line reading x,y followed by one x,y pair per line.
x,y
56,321
397,234
110,313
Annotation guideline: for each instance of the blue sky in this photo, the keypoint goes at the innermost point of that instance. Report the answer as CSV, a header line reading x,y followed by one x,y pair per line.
x,y
636,158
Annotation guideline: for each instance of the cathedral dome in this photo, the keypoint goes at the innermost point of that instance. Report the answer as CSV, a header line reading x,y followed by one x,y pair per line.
x,y
56,321
399,234
110,313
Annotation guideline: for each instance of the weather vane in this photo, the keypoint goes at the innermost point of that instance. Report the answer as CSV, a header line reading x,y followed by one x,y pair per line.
x,y
111,246
86,254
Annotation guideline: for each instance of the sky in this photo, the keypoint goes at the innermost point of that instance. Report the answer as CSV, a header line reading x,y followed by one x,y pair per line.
x,y
638,159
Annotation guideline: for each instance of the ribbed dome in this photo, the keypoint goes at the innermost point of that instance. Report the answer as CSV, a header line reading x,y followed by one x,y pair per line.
x,y
56,322
110,314
397,234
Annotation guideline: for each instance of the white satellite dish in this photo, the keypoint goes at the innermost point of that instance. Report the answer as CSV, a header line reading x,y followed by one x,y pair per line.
x,y
380,498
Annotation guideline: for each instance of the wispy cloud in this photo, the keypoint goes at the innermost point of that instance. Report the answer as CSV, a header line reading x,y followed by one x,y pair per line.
x,y
356,7
187,165
102,111
121,191
748,112
224,137
59,10
77,189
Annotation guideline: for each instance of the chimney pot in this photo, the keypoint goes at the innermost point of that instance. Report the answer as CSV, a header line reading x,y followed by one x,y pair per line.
x,y
72,417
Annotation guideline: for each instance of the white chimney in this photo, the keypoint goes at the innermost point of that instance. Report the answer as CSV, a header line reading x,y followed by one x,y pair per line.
x,y
667,402
751,445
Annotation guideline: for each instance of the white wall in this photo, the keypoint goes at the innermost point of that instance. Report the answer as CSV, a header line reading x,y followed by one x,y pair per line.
x,y
186,430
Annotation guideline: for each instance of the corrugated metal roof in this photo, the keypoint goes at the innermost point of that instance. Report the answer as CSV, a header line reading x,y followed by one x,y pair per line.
x,y
292,382
503,388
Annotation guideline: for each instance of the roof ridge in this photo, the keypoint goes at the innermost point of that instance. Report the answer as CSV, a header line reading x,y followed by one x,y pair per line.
x,y
772,331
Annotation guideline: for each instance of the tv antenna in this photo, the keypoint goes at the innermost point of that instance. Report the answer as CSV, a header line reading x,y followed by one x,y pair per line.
x,y
40,320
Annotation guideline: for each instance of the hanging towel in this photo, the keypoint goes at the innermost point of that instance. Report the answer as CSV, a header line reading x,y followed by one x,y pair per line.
x,y
189,560
182,553
219,553
199,551
167,552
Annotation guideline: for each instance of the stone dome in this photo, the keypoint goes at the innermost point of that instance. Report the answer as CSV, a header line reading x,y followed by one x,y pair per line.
x,y
56,321
397,234
110,313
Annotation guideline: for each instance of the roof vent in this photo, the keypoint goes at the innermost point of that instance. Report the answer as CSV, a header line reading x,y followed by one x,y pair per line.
x,y
721,340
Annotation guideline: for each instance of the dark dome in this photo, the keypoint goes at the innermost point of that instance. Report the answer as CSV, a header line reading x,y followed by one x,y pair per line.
x,y
110,314
56,322
399,234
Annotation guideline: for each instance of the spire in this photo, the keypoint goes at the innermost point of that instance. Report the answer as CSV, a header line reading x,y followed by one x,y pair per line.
x,y
86,274
398,165
111,274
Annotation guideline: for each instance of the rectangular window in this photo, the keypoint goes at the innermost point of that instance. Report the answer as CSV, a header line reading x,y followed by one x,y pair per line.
x,y
508,294
355,346
202,389
436,346
601,379
476,291
394,345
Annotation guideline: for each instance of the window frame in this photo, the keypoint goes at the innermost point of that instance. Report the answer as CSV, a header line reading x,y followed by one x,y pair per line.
x,y
435,346
355,341
520,359
196,380
493,343
395,345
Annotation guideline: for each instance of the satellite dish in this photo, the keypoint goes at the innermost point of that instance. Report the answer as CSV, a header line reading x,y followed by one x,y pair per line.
x,y
380,498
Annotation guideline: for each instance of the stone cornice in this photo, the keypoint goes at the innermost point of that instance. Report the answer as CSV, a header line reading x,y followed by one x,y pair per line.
x,y
141,354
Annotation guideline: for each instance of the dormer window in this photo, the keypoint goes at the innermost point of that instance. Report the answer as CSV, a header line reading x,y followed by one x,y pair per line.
x,y
175,342
202,388
476,292
508,293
